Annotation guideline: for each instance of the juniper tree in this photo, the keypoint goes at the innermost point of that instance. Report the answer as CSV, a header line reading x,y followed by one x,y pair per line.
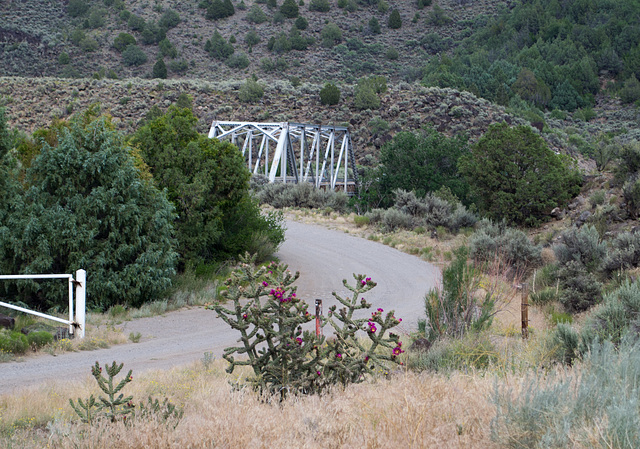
x,y
85,205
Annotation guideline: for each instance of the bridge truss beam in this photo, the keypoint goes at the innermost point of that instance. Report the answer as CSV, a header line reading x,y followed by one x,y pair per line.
x,y
322,155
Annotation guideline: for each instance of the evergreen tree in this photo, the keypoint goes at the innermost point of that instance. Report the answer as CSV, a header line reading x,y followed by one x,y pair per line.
x,y
515,177
289,9
208,183
218,47
159,69
330,94
86,206
395,21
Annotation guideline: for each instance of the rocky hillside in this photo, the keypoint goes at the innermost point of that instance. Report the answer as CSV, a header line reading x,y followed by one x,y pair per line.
x,y
352,38
34,102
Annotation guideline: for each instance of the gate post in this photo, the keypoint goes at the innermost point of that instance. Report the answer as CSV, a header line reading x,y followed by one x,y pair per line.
x,y
81,299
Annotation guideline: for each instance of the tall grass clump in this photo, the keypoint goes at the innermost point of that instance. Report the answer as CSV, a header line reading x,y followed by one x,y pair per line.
x,y
457,307
593,405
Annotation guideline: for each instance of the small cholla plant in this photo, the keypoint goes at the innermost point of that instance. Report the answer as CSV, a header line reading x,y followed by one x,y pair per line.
x,y
284,358
112,406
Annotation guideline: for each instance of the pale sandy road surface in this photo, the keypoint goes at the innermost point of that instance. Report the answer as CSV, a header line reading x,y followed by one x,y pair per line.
x,y
324,257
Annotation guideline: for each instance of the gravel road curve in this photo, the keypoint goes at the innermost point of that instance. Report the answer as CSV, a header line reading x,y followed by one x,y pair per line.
x,y
324,257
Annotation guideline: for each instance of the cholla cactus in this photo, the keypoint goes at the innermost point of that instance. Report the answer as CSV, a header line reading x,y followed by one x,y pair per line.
x,y
113,406
269,316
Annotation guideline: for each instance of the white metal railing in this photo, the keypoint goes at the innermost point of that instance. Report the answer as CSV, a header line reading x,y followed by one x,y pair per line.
x,y
79,285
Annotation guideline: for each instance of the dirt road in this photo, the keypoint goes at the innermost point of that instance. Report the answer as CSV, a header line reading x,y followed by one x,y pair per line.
x,y
323,257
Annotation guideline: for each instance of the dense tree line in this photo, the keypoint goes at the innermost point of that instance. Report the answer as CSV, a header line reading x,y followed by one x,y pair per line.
x,y
549,54
79,195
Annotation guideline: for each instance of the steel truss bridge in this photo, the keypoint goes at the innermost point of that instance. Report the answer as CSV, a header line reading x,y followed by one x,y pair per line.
x,y
294,152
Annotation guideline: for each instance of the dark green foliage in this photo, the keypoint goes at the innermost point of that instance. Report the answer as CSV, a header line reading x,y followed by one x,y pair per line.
x,y
122,41
170,19
159,70
455,309
77,8
514,176
299,42
218,48
220,9
208,182
438,17
279,44
86,206
531,89
167,48
238,61
565,97
301,23
38,339
330,94
289,9
367,90
422,162
96,18
64,58
331,35
252,38
13,342
267,313
251,91
374,26
319,5
580,254
630,92
507,246
153,34
256,14
136,23
134,56
395,21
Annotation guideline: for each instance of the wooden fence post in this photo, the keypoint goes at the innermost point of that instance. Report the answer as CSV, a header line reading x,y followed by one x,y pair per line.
x,y
525,310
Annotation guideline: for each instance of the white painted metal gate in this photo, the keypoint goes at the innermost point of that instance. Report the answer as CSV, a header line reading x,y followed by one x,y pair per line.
x,y
76,322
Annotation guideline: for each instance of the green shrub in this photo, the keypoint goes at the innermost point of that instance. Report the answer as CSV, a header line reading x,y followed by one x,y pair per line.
x,y
582,245
579,289
122,41
159,70
514,176
392,54
395,21
624,252
256,14
218,47
238,61
331,35
301,23
64,58
251,91
170,19
361,221
329,94
437,16
319,5
455,308
38,339
559,410
77,186
289,9
136,23
543,297
510,246
252,38
13,342
219,9
77,8
167,48
134,56
374,26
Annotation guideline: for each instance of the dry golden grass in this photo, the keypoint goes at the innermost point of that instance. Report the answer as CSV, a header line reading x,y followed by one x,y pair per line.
x,y
408,410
